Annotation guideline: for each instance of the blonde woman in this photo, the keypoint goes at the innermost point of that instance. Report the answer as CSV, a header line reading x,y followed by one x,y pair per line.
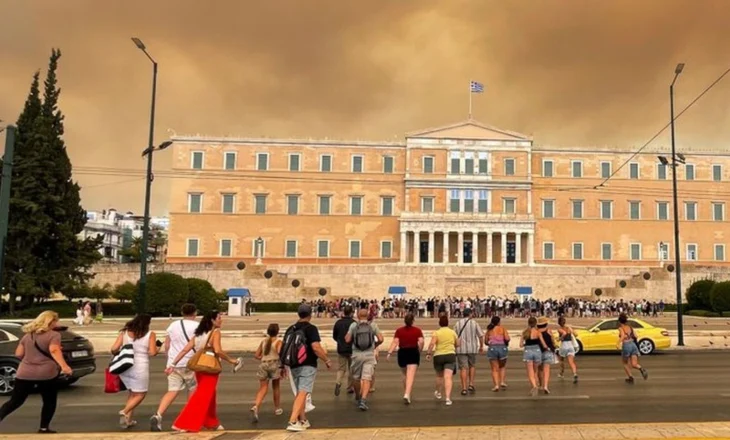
x,y
41,359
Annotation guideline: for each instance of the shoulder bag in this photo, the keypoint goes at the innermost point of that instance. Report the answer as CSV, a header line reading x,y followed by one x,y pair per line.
x,y
124,360
46,354
205,360
185,334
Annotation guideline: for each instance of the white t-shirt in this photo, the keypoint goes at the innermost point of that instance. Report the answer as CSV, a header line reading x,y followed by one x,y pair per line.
x,y
178,340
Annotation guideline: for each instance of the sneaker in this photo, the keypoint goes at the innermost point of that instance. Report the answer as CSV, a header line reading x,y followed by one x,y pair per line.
x,y
449,402
306,424
123,422
560,376
503,386
220,428
295,427
546,391
407,399
644,373
534,391
238,366
309,406
630,379
337,389
156,423
278,412
178,430
437,395
46,431
575,379
363,405
254,414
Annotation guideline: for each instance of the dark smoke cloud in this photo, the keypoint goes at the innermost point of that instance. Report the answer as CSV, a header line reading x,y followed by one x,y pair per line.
x,y
570,72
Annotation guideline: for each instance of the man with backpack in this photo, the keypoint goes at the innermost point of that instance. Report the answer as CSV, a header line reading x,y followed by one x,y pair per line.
x,y
365,337
299,352
344,350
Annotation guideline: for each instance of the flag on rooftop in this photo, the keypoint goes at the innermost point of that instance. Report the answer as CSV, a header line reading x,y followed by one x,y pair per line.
x,y
476,87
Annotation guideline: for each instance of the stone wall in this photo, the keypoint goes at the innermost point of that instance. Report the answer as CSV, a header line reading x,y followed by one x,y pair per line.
x,y
372,281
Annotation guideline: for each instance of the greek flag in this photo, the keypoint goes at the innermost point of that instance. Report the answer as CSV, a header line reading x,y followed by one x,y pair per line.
x,y
476,87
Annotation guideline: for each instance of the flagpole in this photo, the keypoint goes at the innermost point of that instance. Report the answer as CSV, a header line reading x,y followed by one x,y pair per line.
x,y
470,100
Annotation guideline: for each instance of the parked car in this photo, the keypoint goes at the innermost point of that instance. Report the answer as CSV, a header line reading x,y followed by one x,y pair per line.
x,y
77,350
603,336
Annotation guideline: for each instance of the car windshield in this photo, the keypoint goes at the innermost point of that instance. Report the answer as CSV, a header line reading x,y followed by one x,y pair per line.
x,y
595,324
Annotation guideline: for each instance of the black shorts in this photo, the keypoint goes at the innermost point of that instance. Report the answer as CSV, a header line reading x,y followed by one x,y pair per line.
x,y
408,356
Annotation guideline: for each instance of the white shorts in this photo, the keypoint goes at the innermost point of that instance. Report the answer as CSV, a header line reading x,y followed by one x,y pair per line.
x,y
180,379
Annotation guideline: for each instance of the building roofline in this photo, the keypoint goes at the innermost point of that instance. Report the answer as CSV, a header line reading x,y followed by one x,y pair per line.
x,y
196,139
425,132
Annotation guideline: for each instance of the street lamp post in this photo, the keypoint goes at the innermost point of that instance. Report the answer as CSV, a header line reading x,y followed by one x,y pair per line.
x,y
148,185
680,326
259,250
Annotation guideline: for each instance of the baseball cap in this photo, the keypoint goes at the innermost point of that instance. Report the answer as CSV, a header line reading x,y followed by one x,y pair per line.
x,y
304,310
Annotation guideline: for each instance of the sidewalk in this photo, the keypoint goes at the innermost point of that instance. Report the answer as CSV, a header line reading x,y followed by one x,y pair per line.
x,y
685,431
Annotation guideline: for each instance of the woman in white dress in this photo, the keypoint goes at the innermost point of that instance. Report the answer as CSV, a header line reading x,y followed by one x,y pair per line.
x,y
136,379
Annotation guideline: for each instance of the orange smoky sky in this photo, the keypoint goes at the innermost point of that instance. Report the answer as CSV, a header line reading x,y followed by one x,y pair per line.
x,y
569,72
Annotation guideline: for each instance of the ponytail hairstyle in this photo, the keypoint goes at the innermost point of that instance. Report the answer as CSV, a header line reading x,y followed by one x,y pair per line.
x,y
272,331
531,324
493,323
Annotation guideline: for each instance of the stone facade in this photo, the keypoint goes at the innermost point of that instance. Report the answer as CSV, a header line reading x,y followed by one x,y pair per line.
x,y
372,281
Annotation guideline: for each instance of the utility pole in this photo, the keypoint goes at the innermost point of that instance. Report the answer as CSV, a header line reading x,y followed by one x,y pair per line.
x,y
7,172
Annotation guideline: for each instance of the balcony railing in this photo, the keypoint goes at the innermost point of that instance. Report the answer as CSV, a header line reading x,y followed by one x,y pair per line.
x,y
456,216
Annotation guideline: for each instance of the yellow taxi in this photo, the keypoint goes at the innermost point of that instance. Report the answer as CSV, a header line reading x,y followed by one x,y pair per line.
x,y
603,336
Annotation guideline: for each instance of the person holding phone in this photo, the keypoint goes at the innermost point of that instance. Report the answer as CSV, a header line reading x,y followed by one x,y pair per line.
x,y
41,358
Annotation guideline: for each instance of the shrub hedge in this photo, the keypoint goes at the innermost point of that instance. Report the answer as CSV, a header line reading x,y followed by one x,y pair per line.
x,y
703,313
720,297
698,295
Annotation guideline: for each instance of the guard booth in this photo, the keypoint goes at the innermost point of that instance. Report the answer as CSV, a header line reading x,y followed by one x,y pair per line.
x,y
397,292
523,293
238,300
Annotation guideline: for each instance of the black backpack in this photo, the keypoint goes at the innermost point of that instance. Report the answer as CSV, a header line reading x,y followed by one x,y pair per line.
x,y
294,348
364,338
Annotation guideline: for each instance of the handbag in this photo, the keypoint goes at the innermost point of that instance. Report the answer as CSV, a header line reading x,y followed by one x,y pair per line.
x,y
112,383
205,360
124,360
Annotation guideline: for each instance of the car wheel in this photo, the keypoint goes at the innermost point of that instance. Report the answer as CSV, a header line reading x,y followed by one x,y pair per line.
x,y
8,370
646,346
580,348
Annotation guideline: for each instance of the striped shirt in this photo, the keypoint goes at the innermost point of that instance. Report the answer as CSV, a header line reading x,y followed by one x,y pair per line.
x,y
469,339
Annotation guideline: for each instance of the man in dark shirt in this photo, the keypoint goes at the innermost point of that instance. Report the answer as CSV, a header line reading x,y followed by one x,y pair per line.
x,y
304,374
344,350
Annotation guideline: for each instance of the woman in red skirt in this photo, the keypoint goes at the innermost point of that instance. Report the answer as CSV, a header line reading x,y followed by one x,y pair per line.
x,y
201,410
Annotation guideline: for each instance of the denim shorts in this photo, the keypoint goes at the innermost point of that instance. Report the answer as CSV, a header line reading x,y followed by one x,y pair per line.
x,y
629,349
532,353
566,349
548,357
304,378
497,352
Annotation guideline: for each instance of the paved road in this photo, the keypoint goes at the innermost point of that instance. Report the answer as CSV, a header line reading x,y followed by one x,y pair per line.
x,y
683,387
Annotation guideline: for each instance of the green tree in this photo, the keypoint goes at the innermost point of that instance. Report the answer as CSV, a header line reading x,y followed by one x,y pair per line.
x,y
720,297
44,253
132,252
166,293
202,294
125,292
698,295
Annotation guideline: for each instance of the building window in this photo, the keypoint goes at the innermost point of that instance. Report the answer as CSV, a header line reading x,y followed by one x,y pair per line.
x,y
483,163
719,252
689,171
291,249
661,171
229,203
455,162
718,211
577,251
225,247
229,160
455,200
325,163
192,247
483,204
635,251
295,162
663,251
356,205
547,168
196,160
427,164
662,210
576,169
426,204
325,205
606,251
508,205
606,209
717,173
386,249
633,170
690,211
386,206
388,164
469,162
468,201
548,209
548,250
260,202
292,204
509,167
357,164
691,252
195,202
262,250
635,210
323,249
577,208
262,161
354,248
606,170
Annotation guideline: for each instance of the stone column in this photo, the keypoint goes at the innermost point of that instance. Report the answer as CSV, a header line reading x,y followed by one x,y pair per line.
x,y
530,248
430,246
490,246
460,247
518,248
475,248
446,248
416,247
504,246
403,246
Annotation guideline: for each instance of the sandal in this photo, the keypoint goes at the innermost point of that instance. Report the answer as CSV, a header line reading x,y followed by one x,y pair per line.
x,y
463,392
472,389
